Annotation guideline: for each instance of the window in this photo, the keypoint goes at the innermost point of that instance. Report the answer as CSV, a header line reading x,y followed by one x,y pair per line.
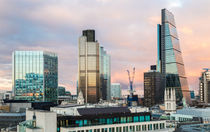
x,y
150,127
147,118
135,119
141,118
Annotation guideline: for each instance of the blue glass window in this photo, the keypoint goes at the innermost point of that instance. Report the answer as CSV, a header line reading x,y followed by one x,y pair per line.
x,y
147,118
141,118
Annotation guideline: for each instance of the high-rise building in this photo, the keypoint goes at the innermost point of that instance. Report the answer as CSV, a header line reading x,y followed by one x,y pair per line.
x,y
89,71
116,90
153,87
204,86
35,75
105,74
170,62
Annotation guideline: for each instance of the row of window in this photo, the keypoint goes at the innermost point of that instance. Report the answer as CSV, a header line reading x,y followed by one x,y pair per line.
x,y
133,128
100,121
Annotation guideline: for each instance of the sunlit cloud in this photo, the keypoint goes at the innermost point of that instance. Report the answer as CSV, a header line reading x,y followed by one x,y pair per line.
x,y
126,29
175,3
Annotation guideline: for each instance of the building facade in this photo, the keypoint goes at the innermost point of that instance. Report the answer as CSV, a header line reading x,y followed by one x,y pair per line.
x,y
204,86
38,121
105,74
170,100
89,71
61,91
170,62
116,90
35,75
109,119
153,88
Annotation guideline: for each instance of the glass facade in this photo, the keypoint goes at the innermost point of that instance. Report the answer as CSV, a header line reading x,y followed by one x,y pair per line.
x,y
88,81
74,122
153,88
170,61
105,74
35,75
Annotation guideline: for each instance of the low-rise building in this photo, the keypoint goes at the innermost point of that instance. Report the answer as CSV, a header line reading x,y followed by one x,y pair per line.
x,y
38,121
203,113
11,119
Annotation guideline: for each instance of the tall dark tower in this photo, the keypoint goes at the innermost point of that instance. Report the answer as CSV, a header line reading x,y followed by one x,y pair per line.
x,y
170,62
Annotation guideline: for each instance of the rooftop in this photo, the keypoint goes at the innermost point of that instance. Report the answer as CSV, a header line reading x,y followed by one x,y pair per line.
x,y
105,110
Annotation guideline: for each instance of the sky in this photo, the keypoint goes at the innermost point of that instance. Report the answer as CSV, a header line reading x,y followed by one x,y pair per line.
x,y
125,28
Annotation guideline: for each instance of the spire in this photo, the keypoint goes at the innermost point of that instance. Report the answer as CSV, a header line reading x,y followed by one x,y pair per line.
x,y
34,120
80,98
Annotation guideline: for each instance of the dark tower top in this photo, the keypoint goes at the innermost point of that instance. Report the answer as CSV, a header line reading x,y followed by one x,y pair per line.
x,y
153,67
90,34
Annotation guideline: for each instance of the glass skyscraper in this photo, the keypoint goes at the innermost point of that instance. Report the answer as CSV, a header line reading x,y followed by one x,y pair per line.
x,y
35,75
89,71
105,74
170,62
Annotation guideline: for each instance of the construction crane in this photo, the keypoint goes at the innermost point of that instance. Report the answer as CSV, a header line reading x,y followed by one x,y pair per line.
x,y
131,80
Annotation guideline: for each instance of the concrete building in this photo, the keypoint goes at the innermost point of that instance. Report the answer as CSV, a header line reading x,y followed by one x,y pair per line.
x,y
77,118
204,86
5,95
38,121
11,119
153,87
203,113
116,90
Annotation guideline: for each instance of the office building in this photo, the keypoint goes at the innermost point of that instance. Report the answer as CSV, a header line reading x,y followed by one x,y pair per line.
x,y
89,74
90,118
35,75
203,113
61,91
153,87
116,90
11,119
80,118
105,74
170,62
204,86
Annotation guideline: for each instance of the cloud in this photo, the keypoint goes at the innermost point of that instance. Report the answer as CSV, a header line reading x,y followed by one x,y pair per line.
x,y
127,30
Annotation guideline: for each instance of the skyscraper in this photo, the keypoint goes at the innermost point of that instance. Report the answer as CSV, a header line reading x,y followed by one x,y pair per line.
x,y
89,71
105,74
170,62
35,75
153,87
204,86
